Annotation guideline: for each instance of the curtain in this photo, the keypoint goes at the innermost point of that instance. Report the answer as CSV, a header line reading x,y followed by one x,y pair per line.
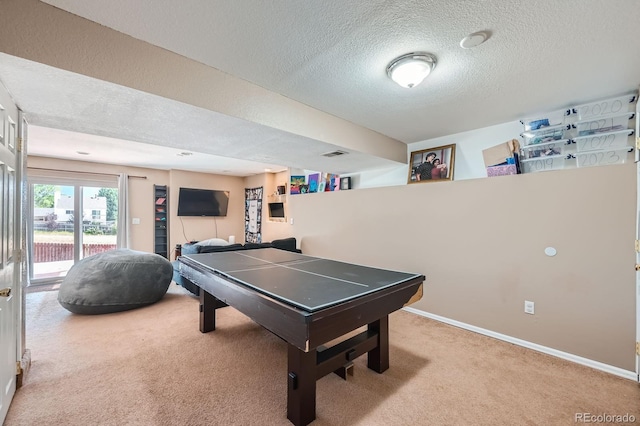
x,y
253,215
123,211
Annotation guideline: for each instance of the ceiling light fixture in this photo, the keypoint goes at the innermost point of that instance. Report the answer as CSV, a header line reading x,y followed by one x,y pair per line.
x,y
409,70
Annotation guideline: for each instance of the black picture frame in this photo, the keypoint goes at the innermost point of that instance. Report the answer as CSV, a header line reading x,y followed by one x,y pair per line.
x,y
345,183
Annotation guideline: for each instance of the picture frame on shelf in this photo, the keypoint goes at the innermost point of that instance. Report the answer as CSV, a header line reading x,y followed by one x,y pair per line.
x,y
314,178
432,164
296,182
345,183
332,182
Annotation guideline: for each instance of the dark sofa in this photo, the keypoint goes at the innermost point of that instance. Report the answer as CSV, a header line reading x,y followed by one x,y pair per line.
x,y
288,244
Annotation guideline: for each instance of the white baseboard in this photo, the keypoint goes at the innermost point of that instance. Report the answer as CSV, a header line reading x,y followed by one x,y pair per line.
x,y
536,347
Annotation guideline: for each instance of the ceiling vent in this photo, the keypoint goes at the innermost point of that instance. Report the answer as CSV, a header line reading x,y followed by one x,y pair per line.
x,y
334,153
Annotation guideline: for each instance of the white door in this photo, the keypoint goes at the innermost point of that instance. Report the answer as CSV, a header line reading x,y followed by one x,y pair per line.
x,y
10,243
637,239
637,270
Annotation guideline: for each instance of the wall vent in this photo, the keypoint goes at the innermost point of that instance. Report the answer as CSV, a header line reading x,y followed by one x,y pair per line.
x,y
334,153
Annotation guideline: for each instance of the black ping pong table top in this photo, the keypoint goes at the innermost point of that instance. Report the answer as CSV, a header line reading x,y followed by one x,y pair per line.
x,y
306,282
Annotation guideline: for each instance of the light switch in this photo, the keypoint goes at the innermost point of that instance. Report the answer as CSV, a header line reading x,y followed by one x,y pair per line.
x,y
135,221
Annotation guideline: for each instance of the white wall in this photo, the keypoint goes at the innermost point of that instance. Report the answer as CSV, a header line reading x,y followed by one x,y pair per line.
x,y
469,163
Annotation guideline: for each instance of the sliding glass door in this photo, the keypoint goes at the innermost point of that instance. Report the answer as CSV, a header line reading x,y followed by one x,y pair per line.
x,y
53,249
70,222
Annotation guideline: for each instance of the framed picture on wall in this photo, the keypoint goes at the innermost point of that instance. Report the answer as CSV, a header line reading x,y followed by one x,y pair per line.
x,y
432,164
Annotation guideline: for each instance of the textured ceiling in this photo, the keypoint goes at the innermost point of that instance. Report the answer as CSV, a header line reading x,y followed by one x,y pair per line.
x,y
151,130
331,55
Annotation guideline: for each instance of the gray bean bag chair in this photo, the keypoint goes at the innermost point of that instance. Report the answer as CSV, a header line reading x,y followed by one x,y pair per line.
x,y
114,281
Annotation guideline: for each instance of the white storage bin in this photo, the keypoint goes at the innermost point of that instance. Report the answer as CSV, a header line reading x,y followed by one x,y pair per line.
x,y
545,149
606,107
608,140
549,134
548,120
604,123
604,157
543,164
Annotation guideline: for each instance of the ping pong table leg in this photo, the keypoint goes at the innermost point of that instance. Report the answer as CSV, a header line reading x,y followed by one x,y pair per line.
x,y
207,311
378,357
301,389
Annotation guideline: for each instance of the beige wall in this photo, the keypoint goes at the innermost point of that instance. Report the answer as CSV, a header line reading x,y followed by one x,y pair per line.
x,y
183,229
481,242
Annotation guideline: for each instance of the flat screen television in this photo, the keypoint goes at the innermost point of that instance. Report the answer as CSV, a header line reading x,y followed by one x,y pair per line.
x,y
202,202
276,210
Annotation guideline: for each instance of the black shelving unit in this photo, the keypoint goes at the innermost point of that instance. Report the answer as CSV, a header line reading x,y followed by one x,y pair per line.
x,y
161,220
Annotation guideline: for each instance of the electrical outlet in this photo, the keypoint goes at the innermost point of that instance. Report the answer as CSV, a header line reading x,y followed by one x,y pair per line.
x,y
529,307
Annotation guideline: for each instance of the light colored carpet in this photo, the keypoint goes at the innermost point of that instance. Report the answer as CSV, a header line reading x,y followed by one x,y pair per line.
x,y
151,366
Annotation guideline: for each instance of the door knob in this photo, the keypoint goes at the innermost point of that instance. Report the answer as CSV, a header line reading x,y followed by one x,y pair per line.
x,y
5,292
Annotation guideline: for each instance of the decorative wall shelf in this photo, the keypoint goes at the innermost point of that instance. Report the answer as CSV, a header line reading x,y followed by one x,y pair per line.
x,y
161,220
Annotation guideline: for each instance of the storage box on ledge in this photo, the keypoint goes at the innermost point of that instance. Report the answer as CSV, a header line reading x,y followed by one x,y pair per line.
x,y
498,155
544,135
604,124
609,140
545,149
508,168
543,163
609,106
604,157
551,119
502,170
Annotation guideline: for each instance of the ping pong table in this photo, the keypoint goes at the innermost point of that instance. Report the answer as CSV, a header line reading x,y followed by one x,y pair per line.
x,y
307,302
